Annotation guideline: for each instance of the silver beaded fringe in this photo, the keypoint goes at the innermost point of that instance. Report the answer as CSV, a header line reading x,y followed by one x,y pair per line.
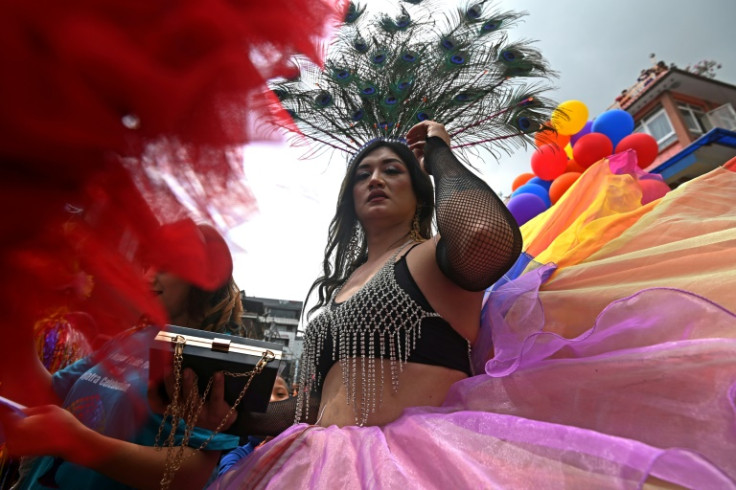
x,y
380,309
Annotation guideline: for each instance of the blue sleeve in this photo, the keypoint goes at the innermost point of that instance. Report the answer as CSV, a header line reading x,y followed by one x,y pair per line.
x,y
228,460
63,379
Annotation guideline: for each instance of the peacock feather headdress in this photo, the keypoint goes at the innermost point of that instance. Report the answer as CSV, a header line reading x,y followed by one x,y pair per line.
x,y
384,73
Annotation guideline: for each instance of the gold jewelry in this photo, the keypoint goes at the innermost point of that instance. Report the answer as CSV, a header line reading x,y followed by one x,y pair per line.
x,y
415,232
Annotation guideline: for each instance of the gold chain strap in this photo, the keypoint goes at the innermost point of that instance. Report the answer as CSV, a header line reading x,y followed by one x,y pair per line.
x,y
190,409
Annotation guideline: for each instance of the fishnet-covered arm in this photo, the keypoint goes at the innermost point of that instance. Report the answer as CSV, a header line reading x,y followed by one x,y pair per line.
x,y
480,240
278,417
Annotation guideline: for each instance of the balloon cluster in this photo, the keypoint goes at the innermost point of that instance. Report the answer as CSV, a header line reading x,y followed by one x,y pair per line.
x,y
566,151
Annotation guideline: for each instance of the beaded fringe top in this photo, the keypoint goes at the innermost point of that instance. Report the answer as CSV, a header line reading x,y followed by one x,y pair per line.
x,y
379,313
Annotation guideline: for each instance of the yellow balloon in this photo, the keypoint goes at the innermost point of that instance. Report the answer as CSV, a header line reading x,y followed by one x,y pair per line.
x,y
568,150
570,117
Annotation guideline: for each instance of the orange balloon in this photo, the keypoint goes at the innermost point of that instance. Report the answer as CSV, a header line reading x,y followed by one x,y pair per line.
x,y
561,184
521,180
550,137
573,166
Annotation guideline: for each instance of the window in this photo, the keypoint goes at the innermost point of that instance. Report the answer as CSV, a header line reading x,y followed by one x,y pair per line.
x,y
695,119
658,125
723,117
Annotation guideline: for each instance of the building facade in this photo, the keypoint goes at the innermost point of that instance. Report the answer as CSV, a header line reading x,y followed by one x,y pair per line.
x,y
276,320
692,117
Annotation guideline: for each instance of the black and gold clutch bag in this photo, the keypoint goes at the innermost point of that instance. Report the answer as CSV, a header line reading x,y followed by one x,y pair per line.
x,y
242,360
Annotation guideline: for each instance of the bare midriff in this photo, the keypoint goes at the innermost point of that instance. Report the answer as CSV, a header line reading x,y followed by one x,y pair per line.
x,y
419,385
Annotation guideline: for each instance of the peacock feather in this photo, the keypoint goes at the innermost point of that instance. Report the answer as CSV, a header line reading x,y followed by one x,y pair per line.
x,y
386,72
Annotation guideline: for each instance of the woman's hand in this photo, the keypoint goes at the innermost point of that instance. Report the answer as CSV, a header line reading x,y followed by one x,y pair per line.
x,y
214,410
46,430
417,136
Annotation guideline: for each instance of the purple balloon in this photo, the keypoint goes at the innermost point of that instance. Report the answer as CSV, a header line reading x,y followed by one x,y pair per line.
x,y
536,189
524,207
586,129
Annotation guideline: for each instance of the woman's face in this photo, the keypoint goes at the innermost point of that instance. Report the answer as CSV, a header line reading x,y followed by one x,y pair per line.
x,y
279,391
382,188
173,293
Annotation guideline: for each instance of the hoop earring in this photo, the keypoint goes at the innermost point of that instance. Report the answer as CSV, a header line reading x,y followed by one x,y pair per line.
x,y
415,232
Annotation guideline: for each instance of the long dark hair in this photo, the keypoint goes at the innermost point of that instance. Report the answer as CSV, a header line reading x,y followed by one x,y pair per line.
x,y
346,248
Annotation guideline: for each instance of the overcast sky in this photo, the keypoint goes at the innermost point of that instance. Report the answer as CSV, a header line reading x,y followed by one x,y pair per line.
x,y
597,47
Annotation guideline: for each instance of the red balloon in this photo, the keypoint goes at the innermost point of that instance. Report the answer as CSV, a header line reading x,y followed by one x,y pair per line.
x,y
644,145
549,162
561,184
521,180
652,189
591,148
573,166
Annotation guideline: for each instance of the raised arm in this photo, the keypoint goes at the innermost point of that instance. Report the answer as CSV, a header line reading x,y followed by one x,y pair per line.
x,y
480,240
131,464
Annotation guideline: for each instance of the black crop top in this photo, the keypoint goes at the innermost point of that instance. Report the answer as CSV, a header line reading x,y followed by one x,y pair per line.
x,y
438,345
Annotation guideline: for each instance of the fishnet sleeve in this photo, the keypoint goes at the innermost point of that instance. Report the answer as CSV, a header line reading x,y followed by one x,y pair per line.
x,y
480,240
278,417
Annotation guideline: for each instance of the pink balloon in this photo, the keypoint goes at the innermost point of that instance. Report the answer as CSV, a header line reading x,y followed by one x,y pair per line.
x,y
652,189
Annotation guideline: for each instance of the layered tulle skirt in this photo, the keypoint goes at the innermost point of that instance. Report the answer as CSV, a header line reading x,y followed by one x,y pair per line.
x,y
613,361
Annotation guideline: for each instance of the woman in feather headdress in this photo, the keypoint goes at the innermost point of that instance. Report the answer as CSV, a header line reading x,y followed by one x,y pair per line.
x,y
613,397
406,302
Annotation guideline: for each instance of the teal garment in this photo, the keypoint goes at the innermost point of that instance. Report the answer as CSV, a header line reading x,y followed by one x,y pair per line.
x,y
108,393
